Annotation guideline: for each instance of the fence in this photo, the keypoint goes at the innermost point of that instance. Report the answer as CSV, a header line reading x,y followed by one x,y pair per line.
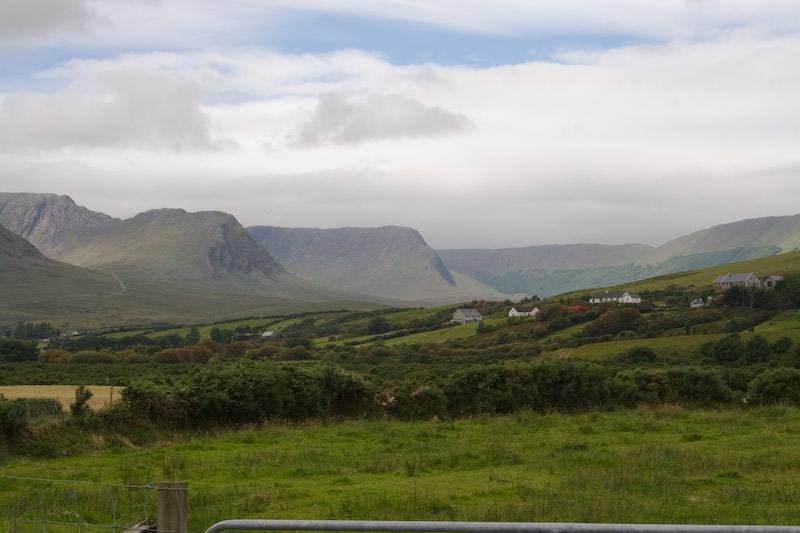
x,y
79,506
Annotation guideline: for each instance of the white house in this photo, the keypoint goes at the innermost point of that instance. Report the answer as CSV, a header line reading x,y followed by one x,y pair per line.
x,y
624,297
730,280
463,316
522,310
771,281
698,302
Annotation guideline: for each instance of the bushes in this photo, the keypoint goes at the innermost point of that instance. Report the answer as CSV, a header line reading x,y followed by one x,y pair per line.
x,y
501,389
687,385
13,418
251,392
777,386
612,322
16,351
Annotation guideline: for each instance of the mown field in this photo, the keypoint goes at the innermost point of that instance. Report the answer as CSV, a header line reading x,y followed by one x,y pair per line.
x,y
102,396
660,465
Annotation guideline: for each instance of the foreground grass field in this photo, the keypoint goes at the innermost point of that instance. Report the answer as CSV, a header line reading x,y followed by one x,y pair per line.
x,y
665,465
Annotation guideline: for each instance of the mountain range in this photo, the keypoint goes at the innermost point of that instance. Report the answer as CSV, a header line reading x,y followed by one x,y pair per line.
x,y
209,264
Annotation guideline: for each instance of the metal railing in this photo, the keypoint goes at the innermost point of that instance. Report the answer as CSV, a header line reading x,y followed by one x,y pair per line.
x,y
485,527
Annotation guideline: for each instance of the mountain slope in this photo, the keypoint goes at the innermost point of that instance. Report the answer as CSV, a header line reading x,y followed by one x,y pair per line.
x,y
31,282
173,245
764,236
555,269
52,223
206,250
390,261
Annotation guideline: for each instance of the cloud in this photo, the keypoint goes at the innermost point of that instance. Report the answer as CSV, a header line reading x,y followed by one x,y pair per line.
x,y
121,109
23,19
658,19
339,121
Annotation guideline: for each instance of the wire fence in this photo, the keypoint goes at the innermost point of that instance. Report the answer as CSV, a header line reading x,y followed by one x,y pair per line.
x,y
42,505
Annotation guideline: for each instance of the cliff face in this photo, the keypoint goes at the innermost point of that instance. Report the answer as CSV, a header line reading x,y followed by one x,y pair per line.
x,y
52,223
199,249
389,261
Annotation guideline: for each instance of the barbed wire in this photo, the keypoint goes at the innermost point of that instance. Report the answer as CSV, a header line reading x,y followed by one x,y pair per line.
x,y
147,525
54,522
149,486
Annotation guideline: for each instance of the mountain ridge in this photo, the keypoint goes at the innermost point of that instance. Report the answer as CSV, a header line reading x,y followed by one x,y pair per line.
x,y
388,261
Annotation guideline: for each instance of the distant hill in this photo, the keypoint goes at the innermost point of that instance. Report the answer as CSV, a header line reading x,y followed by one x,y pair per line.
x,y
201,251
555,269
52,223
36,288
390,261
31,282
757,237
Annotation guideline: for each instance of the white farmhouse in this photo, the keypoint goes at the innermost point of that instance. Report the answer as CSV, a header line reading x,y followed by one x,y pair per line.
x,y
522,310
742,280
464,316
623,297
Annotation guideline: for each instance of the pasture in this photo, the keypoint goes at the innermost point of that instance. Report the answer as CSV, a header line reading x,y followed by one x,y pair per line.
x,y
660,465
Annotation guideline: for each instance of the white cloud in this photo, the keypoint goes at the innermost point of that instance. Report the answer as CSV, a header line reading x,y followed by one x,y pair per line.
x,y
122,108
659,19
341,121
639,143
31,19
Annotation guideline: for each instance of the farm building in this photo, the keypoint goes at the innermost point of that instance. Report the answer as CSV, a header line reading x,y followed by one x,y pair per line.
x,y
731,280
522,310
623,297
463,316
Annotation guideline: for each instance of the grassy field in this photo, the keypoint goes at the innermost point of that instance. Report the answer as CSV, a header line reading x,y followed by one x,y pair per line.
x,y
101,396
665,465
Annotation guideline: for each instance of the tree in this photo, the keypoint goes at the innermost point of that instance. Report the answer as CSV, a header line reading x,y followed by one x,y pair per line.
x,y
788,290
80,408
378,325
640,354
612,322
552,310
193,337
15,350
728,349
757,350
224,336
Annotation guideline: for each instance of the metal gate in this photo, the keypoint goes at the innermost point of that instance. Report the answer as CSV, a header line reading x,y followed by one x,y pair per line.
x,y
483,527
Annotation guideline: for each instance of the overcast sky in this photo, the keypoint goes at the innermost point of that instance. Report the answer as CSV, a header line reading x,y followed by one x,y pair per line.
x,y
482,124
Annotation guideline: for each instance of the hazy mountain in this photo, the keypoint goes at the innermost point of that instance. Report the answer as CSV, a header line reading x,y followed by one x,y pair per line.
x,y
52,223
390,261
555,269
206,250
759,237
30,282
35,288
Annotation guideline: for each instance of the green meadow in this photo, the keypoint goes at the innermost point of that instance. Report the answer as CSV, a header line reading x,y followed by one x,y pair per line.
x,y
660,465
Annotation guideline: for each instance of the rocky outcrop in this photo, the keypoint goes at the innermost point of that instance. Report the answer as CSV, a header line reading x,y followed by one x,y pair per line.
x,y
389,261
52,223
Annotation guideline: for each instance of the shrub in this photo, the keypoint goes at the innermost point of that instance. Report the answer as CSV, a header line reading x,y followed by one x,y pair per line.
x,y
777,386
640,354
13,418
16,351
80,408
690,385
612,322
500,389
549,311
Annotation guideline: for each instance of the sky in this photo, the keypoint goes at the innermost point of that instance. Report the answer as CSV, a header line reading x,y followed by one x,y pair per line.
x,y
481,124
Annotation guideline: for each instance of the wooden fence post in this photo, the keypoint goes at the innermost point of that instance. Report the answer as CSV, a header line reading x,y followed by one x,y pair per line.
x,y
172,507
